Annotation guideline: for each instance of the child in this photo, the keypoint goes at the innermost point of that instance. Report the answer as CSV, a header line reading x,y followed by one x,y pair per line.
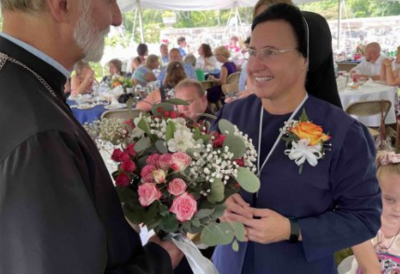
x,y
387,242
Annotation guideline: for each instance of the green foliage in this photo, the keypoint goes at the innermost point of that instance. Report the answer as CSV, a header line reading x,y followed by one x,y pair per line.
x,y
248,180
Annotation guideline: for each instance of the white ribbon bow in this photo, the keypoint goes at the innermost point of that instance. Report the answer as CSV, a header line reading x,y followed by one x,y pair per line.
x,y
301,151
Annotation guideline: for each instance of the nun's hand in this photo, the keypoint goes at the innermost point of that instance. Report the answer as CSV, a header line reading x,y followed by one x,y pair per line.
x,y
267,227
236,210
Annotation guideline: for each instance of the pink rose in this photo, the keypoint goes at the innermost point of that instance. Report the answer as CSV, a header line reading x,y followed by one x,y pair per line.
x,y
128,166
131,150
159,176
123,180
180,161
165,161
184,207
146,173
116,155
153,159
148,193
177,187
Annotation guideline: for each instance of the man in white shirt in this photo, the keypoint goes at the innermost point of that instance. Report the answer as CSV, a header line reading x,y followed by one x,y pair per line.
x,y
371,65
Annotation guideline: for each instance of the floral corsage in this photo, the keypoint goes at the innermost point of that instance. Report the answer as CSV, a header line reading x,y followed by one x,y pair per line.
x,y
305,141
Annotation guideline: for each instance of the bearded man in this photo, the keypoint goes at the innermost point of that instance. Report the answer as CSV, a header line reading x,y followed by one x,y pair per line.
x,y
59,211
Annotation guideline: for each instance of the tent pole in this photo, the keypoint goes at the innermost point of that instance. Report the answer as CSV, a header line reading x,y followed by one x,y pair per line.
x,y
139,6
134,25
339,28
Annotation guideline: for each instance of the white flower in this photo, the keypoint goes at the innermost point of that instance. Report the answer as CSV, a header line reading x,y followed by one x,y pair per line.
x,y
181,142
301,152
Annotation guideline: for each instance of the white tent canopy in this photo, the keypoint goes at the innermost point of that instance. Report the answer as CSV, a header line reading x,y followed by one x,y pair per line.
x,y
128,5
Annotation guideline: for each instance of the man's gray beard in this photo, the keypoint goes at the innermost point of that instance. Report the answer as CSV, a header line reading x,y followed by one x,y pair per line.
x,y
88,38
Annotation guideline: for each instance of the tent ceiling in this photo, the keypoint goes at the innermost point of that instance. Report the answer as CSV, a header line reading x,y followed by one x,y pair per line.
x,y
128,5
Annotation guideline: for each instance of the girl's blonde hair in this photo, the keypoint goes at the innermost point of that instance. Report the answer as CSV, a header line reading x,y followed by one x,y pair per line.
x,y
80,65
222,50
387,162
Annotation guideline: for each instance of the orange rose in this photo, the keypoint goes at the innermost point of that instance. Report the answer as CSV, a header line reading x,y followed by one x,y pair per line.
x,y
310,131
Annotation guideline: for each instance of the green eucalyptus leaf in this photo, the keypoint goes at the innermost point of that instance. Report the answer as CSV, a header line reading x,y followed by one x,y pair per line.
x,y
217,234
208,115
177,101
204,213
196,222
235,246
217,191
248,180
144,125
170,131
236,146
226,127
160,145
142,144
239,231
218,211
129,105
163,106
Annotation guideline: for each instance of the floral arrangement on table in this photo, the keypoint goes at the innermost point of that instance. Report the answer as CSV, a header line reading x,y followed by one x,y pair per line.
x,y
174,175
122,81
305,141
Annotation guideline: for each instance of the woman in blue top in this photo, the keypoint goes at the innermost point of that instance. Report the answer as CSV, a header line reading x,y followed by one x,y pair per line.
x,y
144,74
296,222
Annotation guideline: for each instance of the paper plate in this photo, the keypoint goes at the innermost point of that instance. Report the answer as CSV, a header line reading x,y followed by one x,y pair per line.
x,y
85,106
115,106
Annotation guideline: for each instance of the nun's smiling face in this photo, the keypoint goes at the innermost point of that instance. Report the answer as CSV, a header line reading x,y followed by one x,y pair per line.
x,y
275,67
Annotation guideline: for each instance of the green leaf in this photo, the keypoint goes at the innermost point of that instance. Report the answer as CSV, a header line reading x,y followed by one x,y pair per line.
x,y
154,223
226,127
208,115
163,106
161,147
196,222
303,116
169,223
235,246
204,213
177,101
135,216
151,212
239,231
170,131
236,145
163,210
218,211
125,194
143,125
217,191
217,234
248,180
142,144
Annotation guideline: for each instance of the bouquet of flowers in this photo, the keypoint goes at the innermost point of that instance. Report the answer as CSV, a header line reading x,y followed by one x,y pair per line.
x,y
124,82
174,176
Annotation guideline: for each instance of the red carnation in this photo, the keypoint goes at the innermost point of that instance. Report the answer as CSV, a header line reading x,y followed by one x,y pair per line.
x,y
173,114
131,150
116,155
166,113
128,166
130,124
123,180
219,140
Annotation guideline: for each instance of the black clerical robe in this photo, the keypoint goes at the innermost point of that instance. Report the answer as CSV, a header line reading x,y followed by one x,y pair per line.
x,y
59,211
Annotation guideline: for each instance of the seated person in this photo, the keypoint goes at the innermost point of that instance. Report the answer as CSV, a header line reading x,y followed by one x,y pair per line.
x,y
192,92
144,74
175,73
191,60
206,59
371,66
223,54
387,240
114,68
175,56
390,70
82,81
136,62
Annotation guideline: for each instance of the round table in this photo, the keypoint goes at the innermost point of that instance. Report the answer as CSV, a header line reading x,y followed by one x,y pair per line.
x,y
367,93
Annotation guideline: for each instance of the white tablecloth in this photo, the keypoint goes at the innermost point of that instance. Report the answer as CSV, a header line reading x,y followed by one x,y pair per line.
x,y
365,93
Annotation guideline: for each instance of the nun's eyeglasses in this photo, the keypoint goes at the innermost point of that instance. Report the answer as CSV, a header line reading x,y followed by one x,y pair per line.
x,y
267,52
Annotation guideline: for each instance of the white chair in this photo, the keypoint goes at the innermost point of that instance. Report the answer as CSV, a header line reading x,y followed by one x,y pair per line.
x,y
345,265
121,114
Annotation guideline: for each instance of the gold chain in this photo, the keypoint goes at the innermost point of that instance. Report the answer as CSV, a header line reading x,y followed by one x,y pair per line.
x,y
4,58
